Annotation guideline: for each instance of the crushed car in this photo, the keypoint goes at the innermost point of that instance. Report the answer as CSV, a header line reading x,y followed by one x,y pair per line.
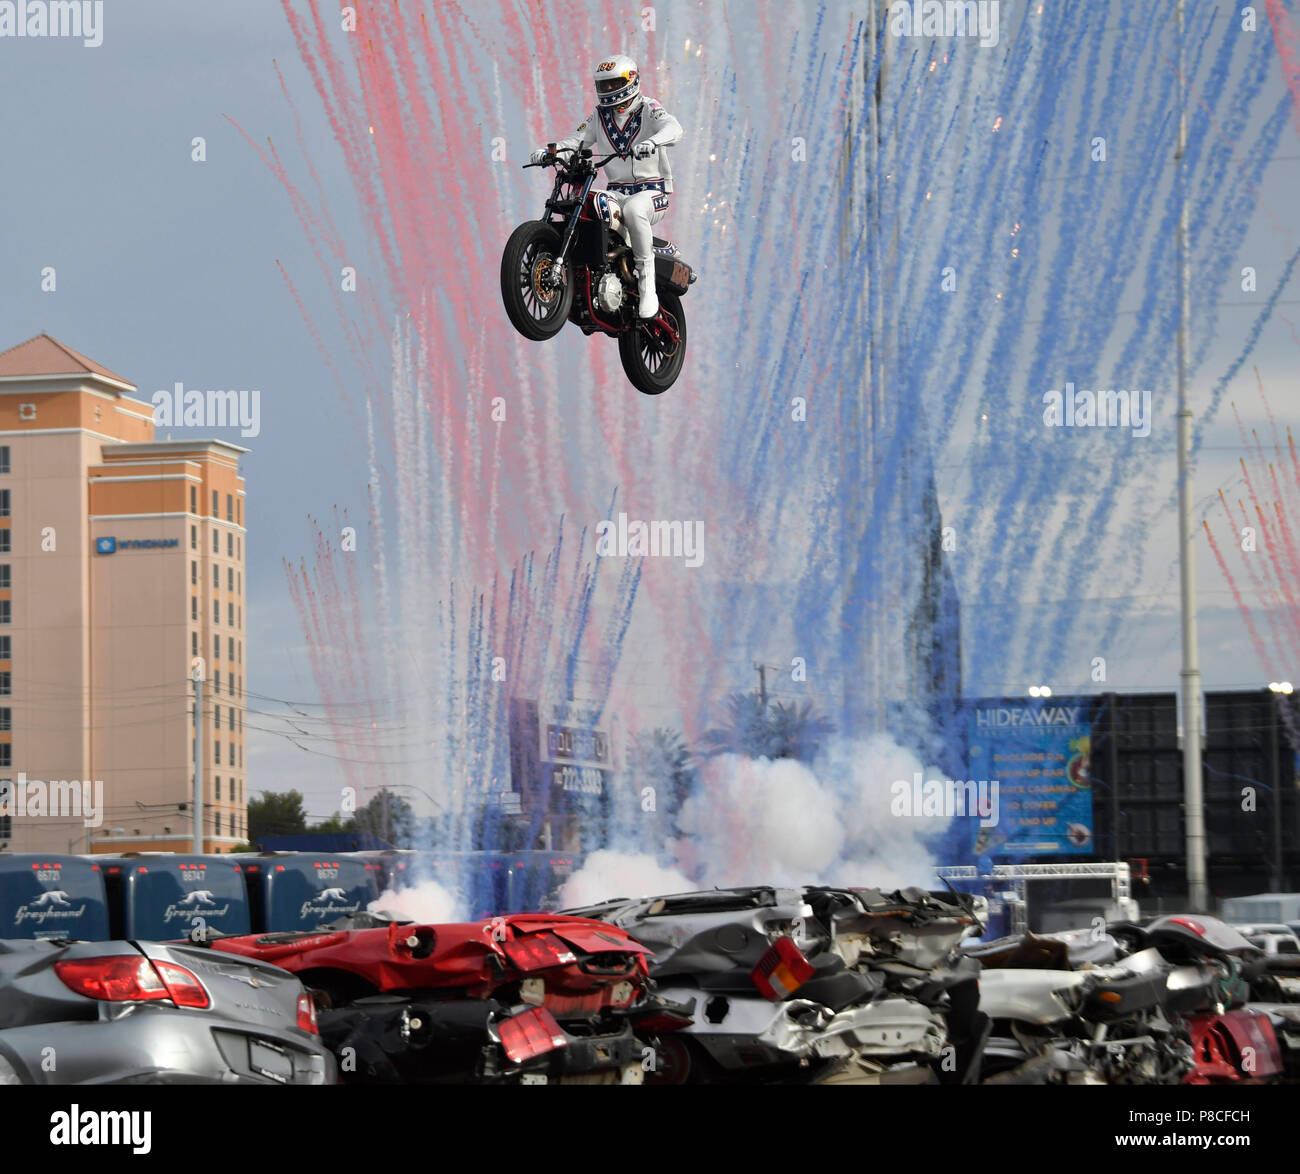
x,y
810,985
513,999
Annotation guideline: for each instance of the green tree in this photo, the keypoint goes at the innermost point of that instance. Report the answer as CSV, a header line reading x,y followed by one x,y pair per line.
x,y
388,816
276,813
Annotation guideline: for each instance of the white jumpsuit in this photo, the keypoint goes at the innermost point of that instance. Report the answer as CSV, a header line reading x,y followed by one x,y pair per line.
x,y
636,191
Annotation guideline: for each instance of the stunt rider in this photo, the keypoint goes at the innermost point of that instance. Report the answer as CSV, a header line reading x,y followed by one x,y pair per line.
x,y
638,186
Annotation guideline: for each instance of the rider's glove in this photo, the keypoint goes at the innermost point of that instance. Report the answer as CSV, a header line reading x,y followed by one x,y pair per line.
x,y
538,155
644,150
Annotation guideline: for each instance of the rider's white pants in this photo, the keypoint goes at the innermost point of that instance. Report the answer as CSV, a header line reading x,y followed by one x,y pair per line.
x,y
633,215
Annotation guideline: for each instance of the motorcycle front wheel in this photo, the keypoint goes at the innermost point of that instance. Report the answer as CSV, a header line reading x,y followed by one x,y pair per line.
x,y
535,309
650,360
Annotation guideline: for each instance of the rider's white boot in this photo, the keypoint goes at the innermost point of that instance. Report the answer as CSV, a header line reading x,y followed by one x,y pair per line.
x,y
648,307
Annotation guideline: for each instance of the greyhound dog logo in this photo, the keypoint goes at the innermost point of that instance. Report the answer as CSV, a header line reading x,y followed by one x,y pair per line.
x,y
51,899
196,898
333,895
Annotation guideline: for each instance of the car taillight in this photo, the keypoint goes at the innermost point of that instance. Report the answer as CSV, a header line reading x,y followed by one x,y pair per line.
x,y
184,986
123,979
307,1014
530,1034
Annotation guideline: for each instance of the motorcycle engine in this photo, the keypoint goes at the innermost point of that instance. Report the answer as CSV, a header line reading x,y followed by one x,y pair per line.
x,y
609,293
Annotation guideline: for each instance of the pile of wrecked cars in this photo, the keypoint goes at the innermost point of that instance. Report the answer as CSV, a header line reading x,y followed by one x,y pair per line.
x,y
770,985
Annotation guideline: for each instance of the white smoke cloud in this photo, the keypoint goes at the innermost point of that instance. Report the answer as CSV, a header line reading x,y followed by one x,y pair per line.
x,y
608,874
783,822
424,901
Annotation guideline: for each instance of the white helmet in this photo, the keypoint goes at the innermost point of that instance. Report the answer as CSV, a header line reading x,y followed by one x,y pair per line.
x,y
618,84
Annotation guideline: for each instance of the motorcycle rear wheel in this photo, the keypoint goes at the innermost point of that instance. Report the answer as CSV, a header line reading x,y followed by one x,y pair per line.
x,y
649,365
538,313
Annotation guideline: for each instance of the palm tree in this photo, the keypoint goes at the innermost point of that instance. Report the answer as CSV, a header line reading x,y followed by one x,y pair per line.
x,y
761,730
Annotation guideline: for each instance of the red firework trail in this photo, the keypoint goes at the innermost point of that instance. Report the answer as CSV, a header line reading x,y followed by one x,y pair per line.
x,y
1287,39
1256,639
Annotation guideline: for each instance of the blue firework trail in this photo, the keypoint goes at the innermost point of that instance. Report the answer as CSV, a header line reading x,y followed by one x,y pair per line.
x,y
904,243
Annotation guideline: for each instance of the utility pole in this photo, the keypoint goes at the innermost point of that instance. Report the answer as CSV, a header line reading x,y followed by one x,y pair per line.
x,y
1193,797
196,671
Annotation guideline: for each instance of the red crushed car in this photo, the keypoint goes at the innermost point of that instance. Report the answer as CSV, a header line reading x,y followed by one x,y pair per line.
x,y
521,998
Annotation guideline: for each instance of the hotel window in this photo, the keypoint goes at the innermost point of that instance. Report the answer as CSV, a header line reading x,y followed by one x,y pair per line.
x,y
239,652
6,611
5,577
216,542
194,607
4,458
239,546
230,746
194,644
230,648
6,718
6,754
230,578
194,499
216,753
6,535
230,715
6,683
230,508
216,577
218,787
215,510
216,647
4,503
230,614
194,572
230,546
6,647
216,682
216,610
194,538
216,717
217,820
239,509
239,582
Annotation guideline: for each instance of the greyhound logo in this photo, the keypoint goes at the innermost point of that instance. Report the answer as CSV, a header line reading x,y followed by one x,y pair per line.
x,y
333,895
197,897
51,899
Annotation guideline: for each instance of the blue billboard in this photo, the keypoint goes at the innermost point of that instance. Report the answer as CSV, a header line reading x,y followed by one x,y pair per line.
x,y
1038,751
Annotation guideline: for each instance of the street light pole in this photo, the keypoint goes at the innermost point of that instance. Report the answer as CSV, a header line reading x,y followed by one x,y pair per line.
x,y
1193,795
196,671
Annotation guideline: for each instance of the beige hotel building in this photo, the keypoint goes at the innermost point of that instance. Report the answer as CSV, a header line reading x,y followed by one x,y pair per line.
x,y
121,559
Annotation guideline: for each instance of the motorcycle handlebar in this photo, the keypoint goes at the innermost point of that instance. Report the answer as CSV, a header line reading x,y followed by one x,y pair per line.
x,y
553,157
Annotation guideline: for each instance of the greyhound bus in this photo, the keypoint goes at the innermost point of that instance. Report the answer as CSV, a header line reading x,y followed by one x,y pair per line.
x,y
304,890
47,896
159,897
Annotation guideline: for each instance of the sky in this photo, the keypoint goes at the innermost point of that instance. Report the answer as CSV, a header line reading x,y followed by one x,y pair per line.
x,y
169,269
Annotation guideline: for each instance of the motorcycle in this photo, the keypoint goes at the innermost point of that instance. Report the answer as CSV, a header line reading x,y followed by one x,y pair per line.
x,y
570,266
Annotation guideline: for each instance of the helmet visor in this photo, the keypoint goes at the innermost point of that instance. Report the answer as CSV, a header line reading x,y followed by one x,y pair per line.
x,y
612,85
